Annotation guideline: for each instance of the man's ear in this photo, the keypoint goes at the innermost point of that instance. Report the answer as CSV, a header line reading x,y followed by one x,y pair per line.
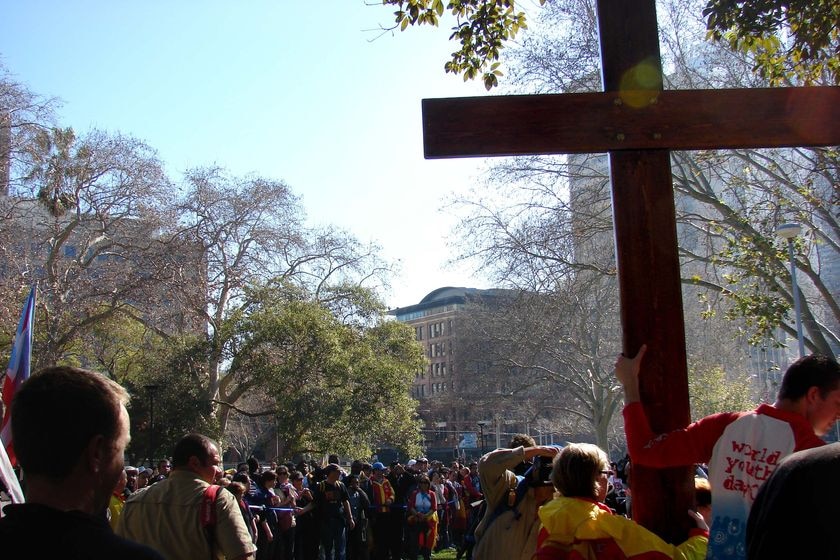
x,y
813,395
194,463
96,453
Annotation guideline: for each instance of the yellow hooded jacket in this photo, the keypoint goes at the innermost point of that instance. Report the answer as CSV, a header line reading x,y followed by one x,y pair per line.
x,y
576,528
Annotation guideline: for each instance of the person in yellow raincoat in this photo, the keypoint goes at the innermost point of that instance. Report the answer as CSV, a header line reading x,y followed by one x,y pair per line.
x,y
576,525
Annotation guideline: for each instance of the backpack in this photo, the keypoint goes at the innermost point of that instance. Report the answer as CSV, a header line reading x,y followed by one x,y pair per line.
x,y
516,493
207,514
515,496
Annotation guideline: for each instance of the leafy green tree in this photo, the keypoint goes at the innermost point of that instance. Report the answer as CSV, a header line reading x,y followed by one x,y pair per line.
x,y
481,27
249,231
791,40
56,166
329,385
169,390
788,40
711,390
122,348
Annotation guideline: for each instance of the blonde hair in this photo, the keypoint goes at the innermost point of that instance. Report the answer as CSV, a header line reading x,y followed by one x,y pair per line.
x,y
576,471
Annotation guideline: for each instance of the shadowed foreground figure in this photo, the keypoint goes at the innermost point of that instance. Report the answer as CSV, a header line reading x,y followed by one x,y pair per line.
x,y
795,514
70,429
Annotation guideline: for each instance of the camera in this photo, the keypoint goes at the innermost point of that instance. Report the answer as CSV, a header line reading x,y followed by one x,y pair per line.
x,y
541,475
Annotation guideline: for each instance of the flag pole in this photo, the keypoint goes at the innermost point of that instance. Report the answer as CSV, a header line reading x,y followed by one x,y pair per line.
x,y
17,372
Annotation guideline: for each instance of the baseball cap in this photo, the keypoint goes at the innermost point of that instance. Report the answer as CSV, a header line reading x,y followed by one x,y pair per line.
x,y
377,466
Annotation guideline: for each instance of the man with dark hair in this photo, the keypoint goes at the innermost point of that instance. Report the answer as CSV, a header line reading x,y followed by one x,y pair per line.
x,y
168,516
70,428
742,449
163,468
513,492
332,508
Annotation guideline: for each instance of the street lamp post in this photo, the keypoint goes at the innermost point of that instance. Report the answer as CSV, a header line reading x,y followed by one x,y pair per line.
x,y
152,390
481,425
789,232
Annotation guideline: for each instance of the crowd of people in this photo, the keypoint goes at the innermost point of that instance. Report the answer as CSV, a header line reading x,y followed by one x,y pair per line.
x,y
522,502
306,511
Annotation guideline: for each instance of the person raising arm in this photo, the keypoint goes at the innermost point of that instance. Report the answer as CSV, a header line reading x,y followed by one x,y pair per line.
x,y
741,448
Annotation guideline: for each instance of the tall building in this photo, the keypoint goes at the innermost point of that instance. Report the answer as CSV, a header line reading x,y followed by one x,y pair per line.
x,y
459,401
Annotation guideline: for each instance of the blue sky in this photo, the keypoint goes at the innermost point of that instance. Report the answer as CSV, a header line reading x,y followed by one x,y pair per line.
x,y
299,91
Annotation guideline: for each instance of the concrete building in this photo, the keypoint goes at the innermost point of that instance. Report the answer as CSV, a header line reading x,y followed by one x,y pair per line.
x,y
461,411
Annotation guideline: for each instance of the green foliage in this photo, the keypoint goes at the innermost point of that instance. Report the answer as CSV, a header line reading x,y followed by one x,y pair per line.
x,y
121,347
743,197
754,263
790,39
332,386
481,27
57,165
180,402
711,390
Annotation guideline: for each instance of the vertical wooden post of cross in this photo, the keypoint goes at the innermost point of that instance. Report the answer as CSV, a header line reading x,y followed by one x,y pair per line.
x,y
646,242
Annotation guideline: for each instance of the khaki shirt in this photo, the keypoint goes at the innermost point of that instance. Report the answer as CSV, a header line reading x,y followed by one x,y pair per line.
x,y
165,516
507,537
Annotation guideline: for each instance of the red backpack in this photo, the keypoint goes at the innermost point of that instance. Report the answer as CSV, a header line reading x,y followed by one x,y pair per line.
x,y
207,514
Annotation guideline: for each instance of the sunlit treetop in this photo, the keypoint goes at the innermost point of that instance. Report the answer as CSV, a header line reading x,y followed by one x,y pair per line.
x,y
480,26
791,40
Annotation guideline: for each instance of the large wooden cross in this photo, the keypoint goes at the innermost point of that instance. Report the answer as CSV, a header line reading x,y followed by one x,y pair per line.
x,y
638,124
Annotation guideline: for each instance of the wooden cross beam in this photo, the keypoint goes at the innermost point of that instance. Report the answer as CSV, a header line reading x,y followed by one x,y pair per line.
x,y
579,123
637,124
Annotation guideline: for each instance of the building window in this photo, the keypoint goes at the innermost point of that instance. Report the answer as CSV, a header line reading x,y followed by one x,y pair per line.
x,y
437,349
